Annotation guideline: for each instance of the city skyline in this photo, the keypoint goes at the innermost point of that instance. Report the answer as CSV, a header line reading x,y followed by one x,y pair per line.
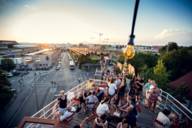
x,y
158,21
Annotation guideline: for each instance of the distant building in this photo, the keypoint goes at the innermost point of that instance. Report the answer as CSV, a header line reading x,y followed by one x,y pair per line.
x,y
16,50
152,49
43,59
138,48
7,44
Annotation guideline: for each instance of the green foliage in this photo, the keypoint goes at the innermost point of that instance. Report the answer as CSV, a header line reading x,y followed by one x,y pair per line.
x,y
178,62
147,74
160,74
82,59
181,92
170,47
143,61
93,59
5,90
7,64
121,58
117,70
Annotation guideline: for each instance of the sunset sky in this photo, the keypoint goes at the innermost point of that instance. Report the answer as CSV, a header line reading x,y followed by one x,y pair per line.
x,y
74,21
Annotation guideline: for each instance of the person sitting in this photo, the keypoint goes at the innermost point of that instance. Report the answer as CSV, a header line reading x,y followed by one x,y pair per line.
x,y
75,102
126,108
100,122
91,100
103,107
82,124
162,120
174,119
122,123
124,101
100,94
82,99
68,113
114,101
90,85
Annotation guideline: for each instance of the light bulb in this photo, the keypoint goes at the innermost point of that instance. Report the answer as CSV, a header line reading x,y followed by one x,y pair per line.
x,y
129,52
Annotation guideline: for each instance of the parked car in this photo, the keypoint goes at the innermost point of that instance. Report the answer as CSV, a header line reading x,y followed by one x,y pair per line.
x,y
57,67
9,74
15,72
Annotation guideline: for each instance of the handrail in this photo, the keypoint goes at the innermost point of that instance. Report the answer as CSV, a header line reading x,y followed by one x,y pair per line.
x,y
45,112
179,106
76,88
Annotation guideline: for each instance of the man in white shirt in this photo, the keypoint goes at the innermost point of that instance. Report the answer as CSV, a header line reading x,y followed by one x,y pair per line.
x,y
162,120
103,107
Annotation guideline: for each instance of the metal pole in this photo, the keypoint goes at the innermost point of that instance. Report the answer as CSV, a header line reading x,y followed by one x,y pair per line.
x,y
132,36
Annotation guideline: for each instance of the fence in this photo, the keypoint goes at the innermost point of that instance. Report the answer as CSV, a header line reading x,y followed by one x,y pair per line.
x,y
167,100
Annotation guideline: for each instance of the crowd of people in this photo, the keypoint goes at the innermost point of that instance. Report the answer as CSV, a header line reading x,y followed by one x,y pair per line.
x,y
116,102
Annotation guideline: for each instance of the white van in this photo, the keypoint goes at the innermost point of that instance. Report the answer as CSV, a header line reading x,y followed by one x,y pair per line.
x,y
71,65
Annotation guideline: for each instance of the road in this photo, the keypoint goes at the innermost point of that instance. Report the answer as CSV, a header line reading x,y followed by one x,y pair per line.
x,y
35,90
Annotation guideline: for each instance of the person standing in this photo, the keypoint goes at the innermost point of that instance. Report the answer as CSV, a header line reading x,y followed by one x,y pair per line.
x,y
62,102
112,87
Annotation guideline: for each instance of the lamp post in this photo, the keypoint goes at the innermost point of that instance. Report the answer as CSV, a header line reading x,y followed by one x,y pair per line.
x,y
129,52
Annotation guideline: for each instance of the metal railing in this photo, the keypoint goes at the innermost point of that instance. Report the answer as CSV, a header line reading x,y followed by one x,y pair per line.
x,y
46,112
168,100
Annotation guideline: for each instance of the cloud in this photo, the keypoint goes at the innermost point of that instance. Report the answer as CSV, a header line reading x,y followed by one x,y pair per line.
x,y
180,36
168,33
30,7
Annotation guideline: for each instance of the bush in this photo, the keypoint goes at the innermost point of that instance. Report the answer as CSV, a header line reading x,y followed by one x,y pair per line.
x,y
7,64
5,90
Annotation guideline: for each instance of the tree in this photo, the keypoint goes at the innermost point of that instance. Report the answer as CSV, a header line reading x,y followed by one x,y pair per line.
x,y
121,58
160,74
5,89
181,93
7,64
143,61
178,62
170,47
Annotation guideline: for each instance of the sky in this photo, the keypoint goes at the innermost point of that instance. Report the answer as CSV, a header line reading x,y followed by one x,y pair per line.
x,y
96,21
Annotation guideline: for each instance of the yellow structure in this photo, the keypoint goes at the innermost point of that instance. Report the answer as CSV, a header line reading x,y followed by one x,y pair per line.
x,y
129,52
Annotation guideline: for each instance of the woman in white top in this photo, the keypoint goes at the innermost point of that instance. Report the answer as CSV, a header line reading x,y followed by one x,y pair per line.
x,y
112,87
103,107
